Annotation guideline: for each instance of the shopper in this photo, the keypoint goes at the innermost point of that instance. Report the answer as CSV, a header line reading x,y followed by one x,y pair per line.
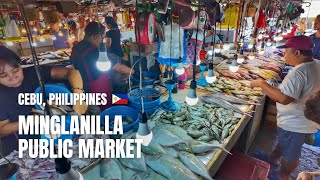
x,y
316,38
119,71
297,86
312,112
302,26
61,35
84,58
113,37
15,80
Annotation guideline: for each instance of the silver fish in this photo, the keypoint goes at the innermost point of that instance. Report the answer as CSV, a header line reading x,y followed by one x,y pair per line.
x,y
170,167
171,152
194,164
148,175
165,137
178,131
231,99
110,170
223,103
198,147
153,148
138,164
126,173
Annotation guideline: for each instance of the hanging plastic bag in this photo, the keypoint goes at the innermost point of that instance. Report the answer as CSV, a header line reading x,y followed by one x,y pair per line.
x,y
193,47
126,18
11,30
231,17
171,43
262,22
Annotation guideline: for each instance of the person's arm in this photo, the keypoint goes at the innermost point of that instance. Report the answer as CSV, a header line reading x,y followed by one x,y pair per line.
x,y
109,35
123,69
274,93
7,127
108,42
307,175
75,81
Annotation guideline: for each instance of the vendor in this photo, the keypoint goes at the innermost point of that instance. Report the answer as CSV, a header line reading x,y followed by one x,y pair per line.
x,y
312,112
15,80
301,82
62,35
115,55
316,38
302,26
84,58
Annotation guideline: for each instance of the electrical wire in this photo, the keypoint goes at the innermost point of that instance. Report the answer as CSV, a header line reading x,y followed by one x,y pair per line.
x,y
195,49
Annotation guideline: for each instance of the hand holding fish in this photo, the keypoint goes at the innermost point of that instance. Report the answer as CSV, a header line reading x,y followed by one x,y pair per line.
x,y
257,83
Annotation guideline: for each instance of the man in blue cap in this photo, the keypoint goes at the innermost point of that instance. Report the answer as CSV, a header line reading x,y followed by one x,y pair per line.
x,y
300,83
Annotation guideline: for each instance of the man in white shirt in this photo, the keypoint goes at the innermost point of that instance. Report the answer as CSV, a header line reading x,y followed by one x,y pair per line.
x,y
301,82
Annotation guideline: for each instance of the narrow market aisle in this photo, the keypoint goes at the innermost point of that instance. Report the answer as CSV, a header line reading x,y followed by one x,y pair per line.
x,y
266,139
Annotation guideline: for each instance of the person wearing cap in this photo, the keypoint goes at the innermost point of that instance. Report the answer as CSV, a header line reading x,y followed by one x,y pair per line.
x,y
15,80
301,82
316,38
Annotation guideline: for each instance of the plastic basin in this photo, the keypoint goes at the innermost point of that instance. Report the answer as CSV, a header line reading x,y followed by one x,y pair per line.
x,y
149,103
9,171
52,88
148,78
123,111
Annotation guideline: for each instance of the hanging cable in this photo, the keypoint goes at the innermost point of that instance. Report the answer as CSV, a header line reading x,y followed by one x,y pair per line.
x,y
171,26
195,49
25,20
227,38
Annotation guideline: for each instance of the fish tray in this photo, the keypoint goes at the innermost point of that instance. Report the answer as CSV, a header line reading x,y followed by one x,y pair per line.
x,y
243,167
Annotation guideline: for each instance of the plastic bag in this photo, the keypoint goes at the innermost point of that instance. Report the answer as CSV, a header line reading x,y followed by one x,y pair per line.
x,y
12,30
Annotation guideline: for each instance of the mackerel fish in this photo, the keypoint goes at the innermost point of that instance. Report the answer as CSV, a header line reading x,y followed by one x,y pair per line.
x,y
165,137
170,167
110,169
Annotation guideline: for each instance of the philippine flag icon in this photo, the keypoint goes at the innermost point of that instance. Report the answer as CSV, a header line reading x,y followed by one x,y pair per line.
x,y
119,99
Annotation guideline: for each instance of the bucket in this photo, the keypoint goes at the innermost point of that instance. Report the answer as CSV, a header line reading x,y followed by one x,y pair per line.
x,y
124,111
148,78
52,88
149,103
9,171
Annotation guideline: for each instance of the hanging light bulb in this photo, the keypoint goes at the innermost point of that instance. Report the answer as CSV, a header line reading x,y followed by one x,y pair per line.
x,y
23,30
179,69
198,62
279,30
289,30
192,98
240,59
261,51
34,44
234,66
9,43
251,56
226,46
210,50
103,63
217,50
144,132
269,43
211,78
42,39
260,36
53,37
60,33
250,46
35,29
